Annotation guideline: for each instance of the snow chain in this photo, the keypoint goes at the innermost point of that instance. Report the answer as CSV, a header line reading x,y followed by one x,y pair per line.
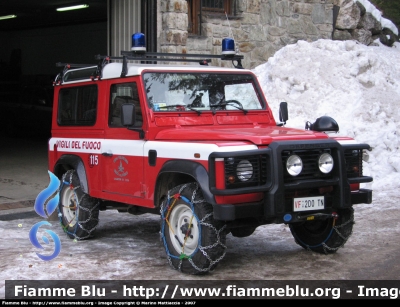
x,y
337,230
167,206
81,224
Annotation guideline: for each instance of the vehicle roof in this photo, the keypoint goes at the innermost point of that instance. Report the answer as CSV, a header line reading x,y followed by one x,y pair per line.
x,y
114,70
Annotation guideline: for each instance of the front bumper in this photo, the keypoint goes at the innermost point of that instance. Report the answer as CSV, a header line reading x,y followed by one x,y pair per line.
x,y
229,212
279,188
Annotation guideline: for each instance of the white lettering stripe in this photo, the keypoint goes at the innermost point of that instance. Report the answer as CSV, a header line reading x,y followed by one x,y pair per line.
x,y
172,150
347,142
182,150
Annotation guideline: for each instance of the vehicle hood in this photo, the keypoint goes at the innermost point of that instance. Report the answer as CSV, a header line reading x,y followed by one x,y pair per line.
x,y
257,134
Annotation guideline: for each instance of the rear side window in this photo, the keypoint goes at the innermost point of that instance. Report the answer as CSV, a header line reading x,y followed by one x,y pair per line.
x,y
77,106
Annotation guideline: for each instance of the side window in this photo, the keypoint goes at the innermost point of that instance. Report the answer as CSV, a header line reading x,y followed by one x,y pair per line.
x,y
77,106
196,8
124,93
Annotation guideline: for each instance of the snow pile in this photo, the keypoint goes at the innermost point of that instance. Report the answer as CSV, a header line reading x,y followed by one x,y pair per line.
x,y
356,85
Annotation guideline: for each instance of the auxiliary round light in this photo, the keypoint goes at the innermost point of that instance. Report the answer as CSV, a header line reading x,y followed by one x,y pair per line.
x,y
138,42
244,170
325,163
228,46
294,165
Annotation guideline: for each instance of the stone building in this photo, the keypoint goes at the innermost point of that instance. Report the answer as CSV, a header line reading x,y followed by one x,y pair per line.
x,y
261,27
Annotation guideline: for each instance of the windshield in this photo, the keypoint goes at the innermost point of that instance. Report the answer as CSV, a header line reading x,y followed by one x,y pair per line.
x,y
202,91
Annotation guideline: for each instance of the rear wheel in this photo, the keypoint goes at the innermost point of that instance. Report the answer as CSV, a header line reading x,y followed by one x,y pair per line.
x,y
324,236
77,211
194,242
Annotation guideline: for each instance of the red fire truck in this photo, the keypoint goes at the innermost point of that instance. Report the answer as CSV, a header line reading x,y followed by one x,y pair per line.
x,y
197,145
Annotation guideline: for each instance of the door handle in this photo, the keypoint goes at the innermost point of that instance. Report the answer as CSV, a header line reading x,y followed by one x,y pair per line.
x,y
107,154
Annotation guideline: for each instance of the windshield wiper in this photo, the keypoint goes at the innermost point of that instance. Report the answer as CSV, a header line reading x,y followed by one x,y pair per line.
x,y
180,107
234,103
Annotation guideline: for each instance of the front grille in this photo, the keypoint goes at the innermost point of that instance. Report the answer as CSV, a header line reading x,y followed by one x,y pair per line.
x,y
354,164
310,164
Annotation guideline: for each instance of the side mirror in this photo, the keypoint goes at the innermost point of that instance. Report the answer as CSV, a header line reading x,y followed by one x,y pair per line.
x,y
323,124
128,114
283,113
128,118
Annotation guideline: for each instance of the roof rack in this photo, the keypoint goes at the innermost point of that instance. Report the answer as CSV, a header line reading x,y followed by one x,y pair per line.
x,y
182,57
170,57
96,74
202,59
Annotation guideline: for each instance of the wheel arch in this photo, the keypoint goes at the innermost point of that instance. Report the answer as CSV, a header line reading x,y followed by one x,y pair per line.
x,y
67,162
174,173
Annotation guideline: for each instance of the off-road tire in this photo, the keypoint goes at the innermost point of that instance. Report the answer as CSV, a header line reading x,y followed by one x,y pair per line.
x,y
194,242
243,232
77,211
324,236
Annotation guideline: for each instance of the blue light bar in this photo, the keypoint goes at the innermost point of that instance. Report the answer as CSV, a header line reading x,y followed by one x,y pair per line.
x,y
138,42
228,46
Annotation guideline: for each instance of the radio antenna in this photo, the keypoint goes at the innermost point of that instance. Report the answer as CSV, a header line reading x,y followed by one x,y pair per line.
x,y
229,25
230,29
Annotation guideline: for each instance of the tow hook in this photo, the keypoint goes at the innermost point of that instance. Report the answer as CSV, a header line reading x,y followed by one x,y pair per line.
x,y
317,216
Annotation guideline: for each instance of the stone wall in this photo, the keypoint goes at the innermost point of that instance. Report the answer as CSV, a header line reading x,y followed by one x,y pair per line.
x,y
262,27
355,23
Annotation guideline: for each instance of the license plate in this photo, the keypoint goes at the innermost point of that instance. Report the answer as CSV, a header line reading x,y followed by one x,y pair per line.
x,y
308,203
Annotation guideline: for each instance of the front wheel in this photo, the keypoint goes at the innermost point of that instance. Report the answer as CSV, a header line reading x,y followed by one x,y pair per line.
x,y
243,232
194,242
324,236
77,211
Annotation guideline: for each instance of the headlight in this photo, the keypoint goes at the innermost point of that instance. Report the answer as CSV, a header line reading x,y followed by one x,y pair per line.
x,y
294,165
244,170
325,163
